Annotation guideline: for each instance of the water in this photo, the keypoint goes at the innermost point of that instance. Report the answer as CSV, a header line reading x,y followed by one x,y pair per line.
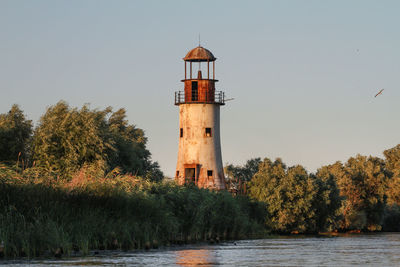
x,y
346,250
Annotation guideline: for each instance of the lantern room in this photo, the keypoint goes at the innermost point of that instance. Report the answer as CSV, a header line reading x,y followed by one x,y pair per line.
x,y
199,88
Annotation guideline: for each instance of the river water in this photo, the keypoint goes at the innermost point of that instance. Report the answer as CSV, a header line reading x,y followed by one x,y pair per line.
x,y
381,249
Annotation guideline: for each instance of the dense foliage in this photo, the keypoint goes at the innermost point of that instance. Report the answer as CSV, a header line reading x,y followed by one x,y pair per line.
x,y
84,189
393,166
362,183
237,176
75,183
67,139
115,212
296,201
362,194
15,133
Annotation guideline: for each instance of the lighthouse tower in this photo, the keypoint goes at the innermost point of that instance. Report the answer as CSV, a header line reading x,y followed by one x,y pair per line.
x,y
199,155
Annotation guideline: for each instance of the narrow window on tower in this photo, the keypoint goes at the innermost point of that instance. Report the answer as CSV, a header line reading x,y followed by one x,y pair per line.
x,y
208,132
181,132
177,173
209,173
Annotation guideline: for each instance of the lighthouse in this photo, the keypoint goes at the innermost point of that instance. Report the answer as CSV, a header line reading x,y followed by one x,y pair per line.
x,y
199,154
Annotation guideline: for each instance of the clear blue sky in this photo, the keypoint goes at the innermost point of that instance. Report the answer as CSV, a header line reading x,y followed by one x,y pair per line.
x,y
303,73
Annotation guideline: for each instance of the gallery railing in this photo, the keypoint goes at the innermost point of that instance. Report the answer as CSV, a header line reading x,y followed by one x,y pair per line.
x,y
200,96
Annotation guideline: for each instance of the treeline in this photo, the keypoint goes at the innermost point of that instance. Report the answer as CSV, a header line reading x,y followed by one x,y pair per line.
x,y
361,194
67,139
83,179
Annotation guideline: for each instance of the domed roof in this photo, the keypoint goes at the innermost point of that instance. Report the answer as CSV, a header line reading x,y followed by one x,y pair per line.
x,y
199,54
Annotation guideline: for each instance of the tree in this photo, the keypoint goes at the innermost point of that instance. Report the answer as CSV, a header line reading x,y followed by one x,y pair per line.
x,y
15,133
362,182
130,153
289,194
392,212
129,142
68,139
393,159
393,165
238,176
328,201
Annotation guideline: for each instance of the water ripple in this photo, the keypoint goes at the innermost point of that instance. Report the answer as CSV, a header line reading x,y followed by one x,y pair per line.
x,y
348,250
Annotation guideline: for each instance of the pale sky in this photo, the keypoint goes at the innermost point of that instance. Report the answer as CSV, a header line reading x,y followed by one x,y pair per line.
x,y
303,73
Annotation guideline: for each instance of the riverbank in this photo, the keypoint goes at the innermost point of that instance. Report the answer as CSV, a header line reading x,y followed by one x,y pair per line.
x,y
51,217
59,218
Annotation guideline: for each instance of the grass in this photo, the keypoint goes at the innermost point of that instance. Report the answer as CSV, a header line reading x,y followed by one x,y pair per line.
x,y
45,216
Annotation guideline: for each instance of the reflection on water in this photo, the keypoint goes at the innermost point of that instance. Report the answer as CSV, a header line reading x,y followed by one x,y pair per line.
x,y
192,257
362,250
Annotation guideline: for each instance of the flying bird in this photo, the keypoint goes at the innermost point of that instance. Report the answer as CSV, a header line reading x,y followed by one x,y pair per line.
x,y
379,93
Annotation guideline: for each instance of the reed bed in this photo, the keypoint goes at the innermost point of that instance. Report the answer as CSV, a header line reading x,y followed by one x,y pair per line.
x,y
42,216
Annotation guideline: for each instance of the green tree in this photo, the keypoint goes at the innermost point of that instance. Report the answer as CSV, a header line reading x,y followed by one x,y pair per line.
x,y
392,211
289,194
67,138
129,148
328,201
15,133
238,176
362,182
393,165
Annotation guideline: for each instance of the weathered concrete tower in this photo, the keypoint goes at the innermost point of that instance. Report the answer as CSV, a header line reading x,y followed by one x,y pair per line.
x,y
199,156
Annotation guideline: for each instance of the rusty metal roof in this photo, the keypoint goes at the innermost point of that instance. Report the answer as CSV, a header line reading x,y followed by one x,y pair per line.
x,y
199,54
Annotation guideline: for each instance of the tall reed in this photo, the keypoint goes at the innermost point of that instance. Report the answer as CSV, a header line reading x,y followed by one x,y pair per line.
x,y
124,212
